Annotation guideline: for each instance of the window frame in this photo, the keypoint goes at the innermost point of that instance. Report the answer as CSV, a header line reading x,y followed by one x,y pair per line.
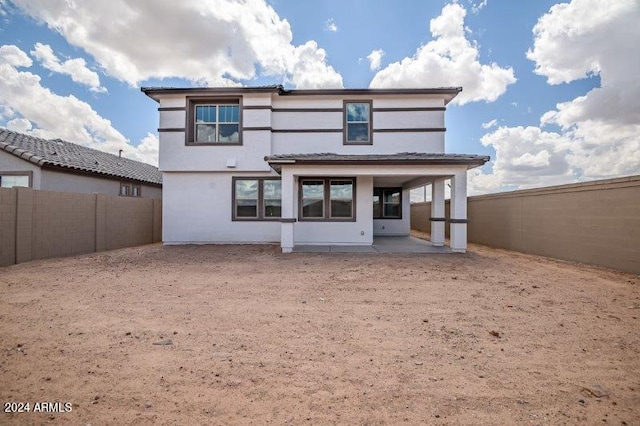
x,y
326,217
190,125
129,186
381,191
261,205
28,174
345,122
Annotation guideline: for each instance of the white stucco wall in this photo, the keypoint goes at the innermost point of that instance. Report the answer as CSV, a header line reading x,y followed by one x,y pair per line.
x,y
172,119
383,143
359,232
11,163
407,119
197,209
306,120
256,118
175,156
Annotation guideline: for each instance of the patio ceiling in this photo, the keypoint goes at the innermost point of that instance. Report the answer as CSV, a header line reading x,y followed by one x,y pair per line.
x,y
405,181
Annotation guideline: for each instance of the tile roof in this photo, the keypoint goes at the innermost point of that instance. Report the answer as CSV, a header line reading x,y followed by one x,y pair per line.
x,y
67,155
400,158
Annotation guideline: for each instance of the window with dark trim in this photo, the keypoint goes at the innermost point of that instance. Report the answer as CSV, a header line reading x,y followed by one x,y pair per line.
x,y
130,190
214,121
387,203
357,122
256,198
15,179
327,199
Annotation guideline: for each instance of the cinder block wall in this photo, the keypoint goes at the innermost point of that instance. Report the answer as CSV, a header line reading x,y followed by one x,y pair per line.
x,y
129,221
42,224
8,199
594,222
63,224
421,213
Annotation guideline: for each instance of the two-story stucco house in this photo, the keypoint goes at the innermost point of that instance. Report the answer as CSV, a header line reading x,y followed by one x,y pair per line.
x,y
305,167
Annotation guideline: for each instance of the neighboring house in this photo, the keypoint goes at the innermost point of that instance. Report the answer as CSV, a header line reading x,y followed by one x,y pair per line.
x,y
305,167
57,165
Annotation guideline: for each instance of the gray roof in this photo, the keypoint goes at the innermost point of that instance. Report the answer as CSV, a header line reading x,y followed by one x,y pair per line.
x,y
393,159
66,155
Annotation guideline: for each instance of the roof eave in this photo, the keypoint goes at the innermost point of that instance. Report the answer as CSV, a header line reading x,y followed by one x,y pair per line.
x,y
276,164
22,154
154,92
447,92
81,170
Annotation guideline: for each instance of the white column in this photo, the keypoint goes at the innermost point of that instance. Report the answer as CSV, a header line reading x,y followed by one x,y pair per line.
x,y
458,220
437,212
288,212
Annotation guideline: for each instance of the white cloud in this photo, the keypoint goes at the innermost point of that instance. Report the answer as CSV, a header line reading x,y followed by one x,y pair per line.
x,y
528,156
448,60
490,124
598,132
21,125
585,38
477,7
479,182
14,57
217,42
375,59
330,25
568,43
147,150
26,103
75,68
308,68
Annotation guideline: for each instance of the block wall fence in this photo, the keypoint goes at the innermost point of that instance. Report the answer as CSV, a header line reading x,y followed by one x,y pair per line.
x,y
38,224
593,222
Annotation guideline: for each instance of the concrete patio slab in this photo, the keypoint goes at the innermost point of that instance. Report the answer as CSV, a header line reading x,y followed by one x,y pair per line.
x,y
353,249
311,249
380,245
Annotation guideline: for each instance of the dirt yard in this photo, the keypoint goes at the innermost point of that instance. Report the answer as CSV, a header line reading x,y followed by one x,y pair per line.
x,y
246,335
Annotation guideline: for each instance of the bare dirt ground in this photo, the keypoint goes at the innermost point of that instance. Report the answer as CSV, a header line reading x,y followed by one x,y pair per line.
x,y
247,335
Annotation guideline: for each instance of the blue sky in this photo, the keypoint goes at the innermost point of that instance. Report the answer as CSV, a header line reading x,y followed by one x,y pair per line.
x,y
550,89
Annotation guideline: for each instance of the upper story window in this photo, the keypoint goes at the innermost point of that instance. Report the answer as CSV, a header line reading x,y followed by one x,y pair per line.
x,y
217,123
213,121
357,122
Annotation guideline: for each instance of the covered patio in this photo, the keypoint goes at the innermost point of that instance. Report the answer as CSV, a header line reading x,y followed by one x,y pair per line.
x,y
362,174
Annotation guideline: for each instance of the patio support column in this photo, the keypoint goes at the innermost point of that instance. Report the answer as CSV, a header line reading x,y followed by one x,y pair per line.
x,y
288,217
437,212
458,220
